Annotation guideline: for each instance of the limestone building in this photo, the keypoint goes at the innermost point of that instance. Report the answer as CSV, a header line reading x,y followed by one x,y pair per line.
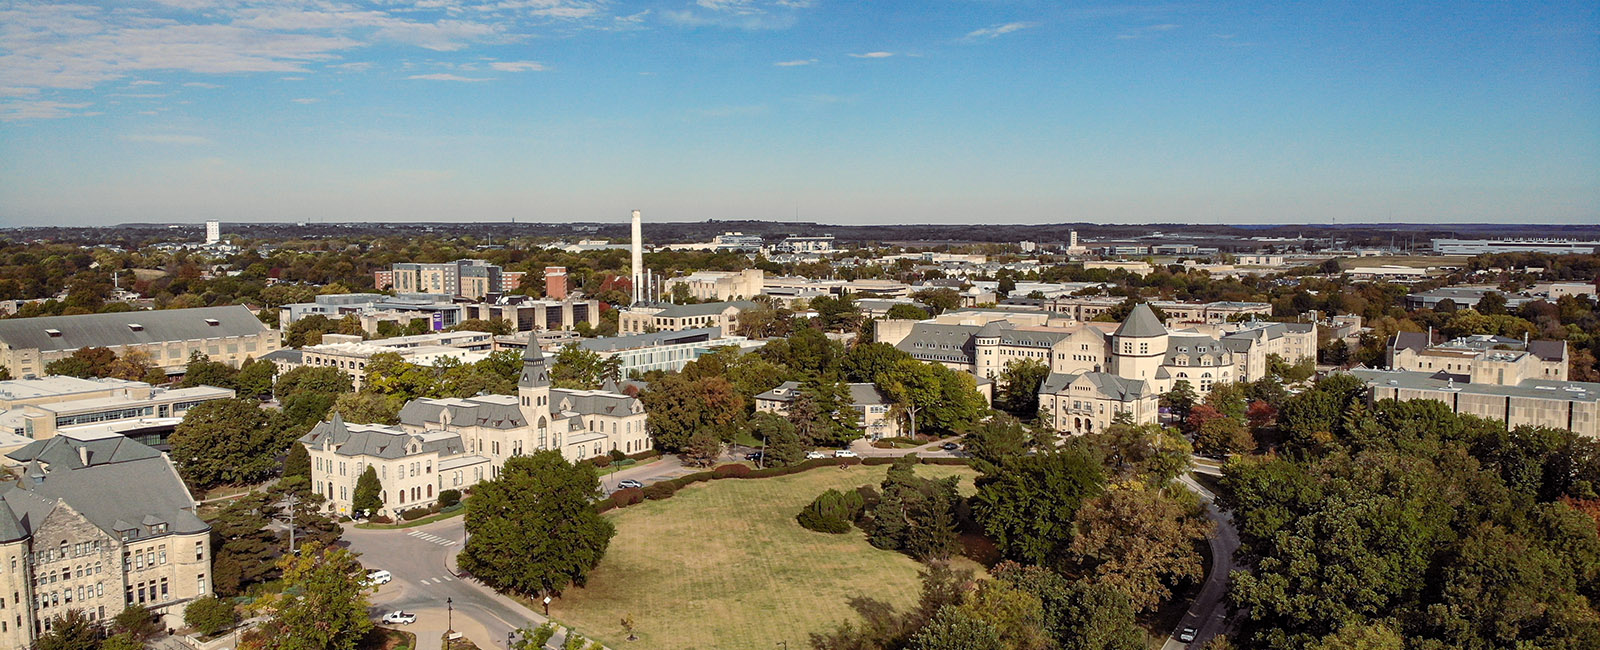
x,y
718,285
227,334
642,319
443,444
96,525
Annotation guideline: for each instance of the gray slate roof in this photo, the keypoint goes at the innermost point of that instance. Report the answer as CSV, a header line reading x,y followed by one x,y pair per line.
x,y
123,487
1113,386
376,441
939,342
110,330
463,412
1141,323
633,341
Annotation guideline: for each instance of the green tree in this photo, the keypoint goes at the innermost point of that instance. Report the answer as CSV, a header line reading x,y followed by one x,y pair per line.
x,y
533,530
1223,435
679,407
864,362
576,367
932,397
1078,614
323,605
1017,614
954,628
1149,452
210,615
202,371
1030,504
243,548
367,408
1180,399
906,312
938,300
136,621
915,515
70,631
121,641
783,446
367,497
83,363
225,442
996,441
324,380
256,377
1020,382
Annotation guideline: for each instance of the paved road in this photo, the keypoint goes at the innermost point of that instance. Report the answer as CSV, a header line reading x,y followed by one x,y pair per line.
x,y
1208,613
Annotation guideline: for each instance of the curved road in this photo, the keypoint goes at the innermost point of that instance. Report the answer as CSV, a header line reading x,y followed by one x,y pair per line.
x,y
1208,613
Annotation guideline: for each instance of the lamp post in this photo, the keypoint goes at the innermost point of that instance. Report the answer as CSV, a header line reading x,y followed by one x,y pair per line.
x,y
449,616
508,641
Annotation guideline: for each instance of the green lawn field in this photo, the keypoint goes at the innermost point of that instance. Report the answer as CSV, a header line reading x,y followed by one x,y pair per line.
x,y
724,565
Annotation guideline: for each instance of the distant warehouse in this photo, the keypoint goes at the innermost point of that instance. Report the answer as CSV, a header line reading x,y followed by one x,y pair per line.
x,y
227,334
1486,246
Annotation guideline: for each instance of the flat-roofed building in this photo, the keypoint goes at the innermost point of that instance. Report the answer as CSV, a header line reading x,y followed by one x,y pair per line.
x,y
351,355
1483,246
528,314
1570,405
1480,358
643,319
717,285
224,334
666,351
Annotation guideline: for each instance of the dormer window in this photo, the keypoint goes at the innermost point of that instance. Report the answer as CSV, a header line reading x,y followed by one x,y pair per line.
x,y
213,322
53,333
136,327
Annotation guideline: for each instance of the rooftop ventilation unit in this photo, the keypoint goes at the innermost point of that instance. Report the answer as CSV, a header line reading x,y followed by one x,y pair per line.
x,y
55,334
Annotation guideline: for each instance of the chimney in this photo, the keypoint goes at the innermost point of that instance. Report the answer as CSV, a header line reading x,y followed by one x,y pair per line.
x,y
555,282
83,455
637,250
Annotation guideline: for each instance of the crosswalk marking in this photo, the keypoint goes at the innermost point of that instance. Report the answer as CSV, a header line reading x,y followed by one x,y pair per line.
x,y
435,581
431,538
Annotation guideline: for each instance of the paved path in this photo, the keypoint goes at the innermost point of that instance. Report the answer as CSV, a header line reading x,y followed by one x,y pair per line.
x,y
1208,613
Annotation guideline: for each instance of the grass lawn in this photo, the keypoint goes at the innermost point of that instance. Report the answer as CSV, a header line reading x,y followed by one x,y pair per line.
x,y
724,565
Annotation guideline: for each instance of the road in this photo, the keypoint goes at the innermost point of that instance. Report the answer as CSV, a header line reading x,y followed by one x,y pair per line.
x,y
1208,613
422,559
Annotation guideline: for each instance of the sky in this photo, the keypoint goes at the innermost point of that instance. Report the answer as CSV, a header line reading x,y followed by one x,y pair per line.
x,y
881,111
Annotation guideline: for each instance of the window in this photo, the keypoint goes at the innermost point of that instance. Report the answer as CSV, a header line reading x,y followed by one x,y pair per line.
x,y
200,583
200,554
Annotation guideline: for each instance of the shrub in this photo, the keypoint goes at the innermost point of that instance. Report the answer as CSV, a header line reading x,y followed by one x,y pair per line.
x,y
414,513
627,496
946,461
617,456
658,491
380,519
449,498
831,512
604,505
876,460
732,470
210,615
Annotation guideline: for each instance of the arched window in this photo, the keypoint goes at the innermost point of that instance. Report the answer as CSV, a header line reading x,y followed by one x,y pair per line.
x,y
430,491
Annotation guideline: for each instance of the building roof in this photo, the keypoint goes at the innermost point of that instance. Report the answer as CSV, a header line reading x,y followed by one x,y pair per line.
x,y
1141,323
1548,350
939,342
1578,391
1111,386
290,356
534,374
128,328
653,339
704,309
469,412
124,482
59,385
379,441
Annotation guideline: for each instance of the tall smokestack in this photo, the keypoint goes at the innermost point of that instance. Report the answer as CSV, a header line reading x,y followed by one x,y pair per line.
x,y
638,258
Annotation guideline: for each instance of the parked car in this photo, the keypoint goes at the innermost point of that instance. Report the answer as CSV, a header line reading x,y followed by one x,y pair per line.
x,y
949,446
629,483
399,618
1187,634
844,453
377,577
815,454
755,456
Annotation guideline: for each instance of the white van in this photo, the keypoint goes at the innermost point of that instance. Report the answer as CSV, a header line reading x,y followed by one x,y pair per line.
x,y
377,577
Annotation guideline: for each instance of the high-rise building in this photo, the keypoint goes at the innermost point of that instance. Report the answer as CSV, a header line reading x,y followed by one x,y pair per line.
x,y
555,282
213,232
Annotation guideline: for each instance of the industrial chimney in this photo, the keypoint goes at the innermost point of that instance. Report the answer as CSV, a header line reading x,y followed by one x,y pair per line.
x,y
638,259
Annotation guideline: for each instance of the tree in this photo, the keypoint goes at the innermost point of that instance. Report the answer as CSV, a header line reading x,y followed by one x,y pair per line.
x,y
122,641
954,628
831,512
135,365
1180,399
1222,436
243,548
704,448
325,380
367,498
1150,453
298,462
225,441
1030,504
210,615
202,371
1078,614
942,399
996,441
136,621
1493,303
83,363
1017,614
906,312
679,407
576,367
256,377
938,300
367,408
822,414
864,362
1020,382
533,530
70,631
1141,541
915,515
783,446
324,602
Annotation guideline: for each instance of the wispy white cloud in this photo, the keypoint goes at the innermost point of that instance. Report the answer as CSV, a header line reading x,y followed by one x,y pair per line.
x,y
201,84
1147,30
164,138
517,66
305,100
796,62
144,82
29,109
751,15
996,31
443,76
873,55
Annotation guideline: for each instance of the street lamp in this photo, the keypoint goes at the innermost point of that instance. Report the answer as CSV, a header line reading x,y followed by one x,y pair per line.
x,y
449,616
508,641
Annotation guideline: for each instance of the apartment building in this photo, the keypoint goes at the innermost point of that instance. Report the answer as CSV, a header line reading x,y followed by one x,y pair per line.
x,y
226,334
472,279
445,444
96,525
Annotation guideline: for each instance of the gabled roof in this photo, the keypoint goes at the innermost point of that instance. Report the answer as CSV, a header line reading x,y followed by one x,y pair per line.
x,y
1417,341
113,329
1109,385
1141,323
63,451
469,412
1548,350
704,309
126,487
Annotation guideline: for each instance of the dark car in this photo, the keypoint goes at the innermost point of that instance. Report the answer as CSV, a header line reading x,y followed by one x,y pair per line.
x,y
754,456
949,446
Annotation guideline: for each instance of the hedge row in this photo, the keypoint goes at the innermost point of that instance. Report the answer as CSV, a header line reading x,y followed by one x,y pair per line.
x,y
665,489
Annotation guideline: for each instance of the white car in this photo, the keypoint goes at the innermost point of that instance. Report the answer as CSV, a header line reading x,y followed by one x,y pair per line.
x,y
399,618
845,453
377,577
815,455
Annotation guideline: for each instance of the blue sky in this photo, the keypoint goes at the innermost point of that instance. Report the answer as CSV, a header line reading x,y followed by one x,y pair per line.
x,y
946,111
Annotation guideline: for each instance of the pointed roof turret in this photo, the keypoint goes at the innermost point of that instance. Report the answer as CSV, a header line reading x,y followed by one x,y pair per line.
x,y
1142,323
336,427
534,374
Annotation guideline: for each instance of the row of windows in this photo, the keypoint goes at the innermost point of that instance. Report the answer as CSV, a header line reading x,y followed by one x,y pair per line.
x,y
64,597
66,573
105,416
